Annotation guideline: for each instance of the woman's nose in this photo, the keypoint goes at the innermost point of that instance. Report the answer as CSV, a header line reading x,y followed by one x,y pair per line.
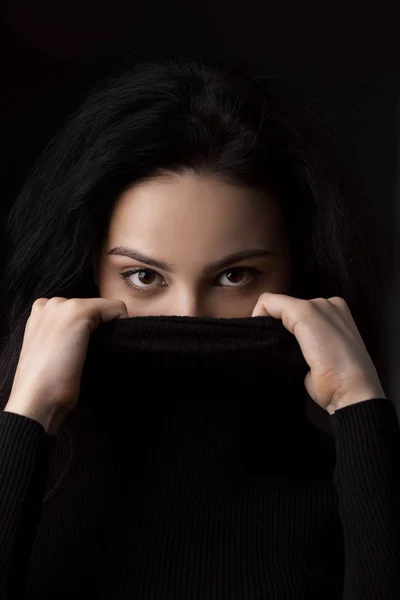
x,y
188,305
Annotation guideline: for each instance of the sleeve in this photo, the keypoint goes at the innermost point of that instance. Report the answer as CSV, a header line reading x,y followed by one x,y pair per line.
x,y
25,452
367,481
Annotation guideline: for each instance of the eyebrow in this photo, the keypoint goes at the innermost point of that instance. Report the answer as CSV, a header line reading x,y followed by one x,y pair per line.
x,y
214,266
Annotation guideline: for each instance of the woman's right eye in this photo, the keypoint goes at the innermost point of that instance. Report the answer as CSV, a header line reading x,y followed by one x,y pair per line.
x,y
146,287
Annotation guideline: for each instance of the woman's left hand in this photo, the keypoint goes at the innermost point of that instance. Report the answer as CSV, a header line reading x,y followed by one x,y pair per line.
x,y
341,370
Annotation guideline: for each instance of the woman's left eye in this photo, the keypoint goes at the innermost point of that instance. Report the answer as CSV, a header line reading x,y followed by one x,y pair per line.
x,y
252,272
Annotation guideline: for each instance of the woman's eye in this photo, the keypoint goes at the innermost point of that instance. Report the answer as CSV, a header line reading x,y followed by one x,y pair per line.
x,y
146,277
237,273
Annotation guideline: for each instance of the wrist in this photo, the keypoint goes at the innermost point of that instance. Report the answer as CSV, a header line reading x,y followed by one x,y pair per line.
x,y
50,418
354,398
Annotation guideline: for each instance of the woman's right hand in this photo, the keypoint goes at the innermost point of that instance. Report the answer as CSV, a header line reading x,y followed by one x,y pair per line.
x,y
48,376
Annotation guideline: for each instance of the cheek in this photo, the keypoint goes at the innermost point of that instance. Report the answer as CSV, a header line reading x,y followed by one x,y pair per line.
x,y
113,287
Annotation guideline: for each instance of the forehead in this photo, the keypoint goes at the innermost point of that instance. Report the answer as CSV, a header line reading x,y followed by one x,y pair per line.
x,y
192,202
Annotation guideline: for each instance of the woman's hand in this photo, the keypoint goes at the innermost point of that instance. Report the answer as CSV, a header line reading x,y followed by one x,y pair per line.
x,y
341,370
48,376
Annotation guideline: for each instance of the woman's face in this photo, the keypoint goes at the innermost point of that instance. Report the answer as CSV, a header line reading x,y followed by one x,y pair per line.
x,y
176,230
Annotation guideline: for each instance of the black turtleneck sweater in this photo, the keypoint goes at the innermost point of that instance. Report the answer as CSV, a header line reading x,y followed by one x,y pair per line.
x,y
189,470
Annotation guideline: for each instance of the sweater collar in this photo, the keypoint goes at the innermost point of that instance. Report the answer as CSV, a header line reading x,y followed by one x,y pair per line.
x,y
219,363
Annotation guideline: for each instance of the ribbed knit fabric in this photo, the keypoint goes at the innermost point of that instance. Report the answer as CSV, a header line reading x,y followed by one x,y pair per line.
x,y
193,473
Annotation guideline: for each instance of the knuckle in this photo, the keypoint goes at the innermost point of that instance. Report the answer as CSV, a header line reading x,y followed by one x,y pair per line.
x,y
263,296
55,301
75,308
74,304
82,310
339,300
39,303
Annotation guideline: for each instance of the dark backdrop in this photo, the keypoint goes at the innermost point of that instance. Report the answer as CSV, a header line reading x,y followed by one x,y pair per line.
x,y
344,56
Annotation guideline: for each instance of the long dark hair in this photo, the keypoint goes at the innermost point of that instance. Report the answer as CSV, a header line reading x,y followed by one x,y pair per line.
x,y
169,115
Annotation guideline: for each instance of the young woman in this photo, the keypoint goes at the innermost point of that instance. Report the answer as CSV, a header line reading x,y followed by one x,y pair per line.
x,y
180,188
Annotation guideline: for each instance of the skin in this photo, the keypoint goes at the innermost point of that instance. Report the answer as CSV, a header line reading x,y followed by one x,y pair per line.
x,y
190,220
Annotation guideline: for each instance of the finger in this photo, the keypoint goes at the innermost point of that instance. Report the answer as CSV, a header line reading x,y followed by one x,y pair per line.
x,y
275,304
